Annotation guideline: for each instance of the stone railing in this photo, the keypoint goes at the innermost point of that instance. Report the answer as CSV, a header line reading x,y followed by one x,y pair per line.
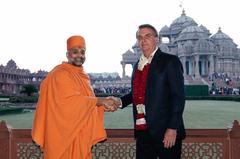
x,y
199,144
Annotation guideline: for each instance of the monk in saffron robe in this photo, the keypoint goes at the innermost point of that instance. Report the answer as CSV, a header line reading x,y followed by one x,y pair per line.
x,y
69,119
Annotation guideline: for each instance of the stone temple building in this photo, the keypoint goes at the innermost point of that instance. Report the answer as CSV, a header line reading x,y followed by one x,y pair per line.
x,y
201,53
12,78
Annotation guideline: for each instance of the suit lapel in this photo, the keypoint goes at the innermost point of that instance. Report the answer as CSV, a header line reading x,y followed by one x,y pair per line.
x,y
133,72
153,64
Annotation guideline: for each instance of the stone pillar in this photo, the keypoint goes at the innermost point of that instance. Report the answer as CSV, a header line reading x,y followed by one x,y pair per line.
x,y
211,69
202,67
132,65
206,66
196,69
191,66
184,65
123,68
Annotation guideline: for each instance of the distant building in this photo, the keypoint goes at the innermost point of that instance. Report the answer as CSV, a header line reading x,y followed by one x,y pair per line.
x,y
105,80
12,78
201,53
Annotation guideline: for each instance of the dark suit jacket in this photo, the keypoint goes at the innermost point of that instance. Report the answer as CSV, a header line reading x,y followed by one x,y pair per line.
x,y
165,96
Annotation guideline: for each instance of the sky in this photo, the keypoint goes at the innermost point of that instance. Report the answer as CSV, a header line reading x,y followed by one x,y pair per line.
x,y
34,32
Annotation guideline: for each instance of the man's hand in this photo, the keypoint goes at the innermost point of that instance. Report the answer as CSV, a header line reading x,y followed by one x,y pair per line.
x,y
115,103
170,138
110,104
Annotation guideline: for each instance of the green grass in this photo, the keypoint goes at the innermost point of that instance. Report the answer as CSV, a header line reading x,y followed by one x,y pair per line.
x,y
199,114
19,120
211,114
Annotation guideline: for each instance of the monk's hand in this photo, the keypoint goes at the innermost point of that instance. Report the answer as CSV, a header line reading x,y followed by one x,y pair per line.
x,y
170,138
109,104
104,102
114,103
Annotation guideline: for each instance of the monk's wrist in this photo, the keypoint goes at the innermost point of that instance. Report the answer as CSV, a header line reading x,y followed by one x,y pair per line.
x,y
100,101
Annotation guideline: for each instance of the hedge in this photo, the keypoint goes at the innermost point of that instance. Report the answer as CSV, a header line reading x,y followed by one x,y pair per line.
x,y
23,99
196,90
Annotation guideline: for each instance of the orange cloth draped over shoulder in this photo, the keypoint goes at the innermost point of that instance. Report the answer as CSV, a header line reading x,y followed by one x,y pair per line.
x,y
67,121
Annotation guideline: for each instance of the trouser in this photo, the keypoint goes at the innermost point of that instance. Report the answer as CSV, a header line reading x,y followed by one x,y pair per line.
x,y
148,148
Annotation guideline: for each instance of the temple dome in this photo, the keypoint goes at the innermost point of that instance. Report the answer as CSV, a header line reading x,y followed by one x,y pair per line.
x,y
220,35
11,65
205,29
182,22
192,29
192,33
164,29
221,39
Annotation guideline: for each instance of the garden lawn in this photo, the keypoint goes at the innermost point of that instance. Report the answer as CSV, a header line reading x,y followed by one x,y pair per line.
x,y
199,114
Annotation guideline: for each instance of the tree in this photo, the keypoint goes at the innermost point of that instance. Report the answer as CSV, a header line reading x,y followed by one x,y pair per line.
x,y
29,89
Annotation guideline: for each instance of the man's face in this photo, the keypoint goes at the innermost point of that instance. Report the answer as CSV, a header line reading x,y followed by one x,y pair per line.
x,y
76,56
147,41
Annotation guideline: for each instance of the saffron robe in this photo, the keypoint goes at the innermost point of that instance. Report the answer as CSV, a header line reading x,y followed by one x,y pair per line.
x,y
67,121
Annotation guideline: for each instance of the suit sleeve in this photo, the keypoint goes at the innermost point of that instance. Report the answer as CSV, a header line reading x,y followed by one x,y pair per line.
x,y
177,93
126,99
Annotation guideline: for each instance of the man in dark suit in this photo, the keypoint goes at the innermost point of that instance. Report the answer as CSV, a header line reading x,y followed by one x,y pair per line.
x,y
158,99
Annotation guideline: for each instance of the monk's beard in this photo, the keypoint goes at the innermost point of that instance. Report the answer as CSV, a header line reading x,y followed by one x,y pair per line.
x,y
76,61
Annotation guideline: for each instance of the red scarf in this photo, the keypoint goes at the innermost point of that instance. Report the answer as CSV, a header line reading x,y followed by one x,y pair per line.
x,y
139,89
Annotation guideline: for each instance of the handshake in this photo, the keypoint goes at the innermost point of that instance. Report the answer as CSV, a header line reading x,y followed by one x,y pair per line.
x,y
110,103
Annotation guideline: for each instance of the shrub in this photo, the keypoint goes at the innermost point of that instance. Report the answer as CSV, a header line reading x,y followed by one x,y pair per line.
x,y
196,90
23,99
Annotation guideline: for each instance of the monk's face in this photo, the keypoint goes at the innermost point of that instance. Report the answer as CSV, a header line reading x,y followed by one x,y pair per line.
x,y
76,56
